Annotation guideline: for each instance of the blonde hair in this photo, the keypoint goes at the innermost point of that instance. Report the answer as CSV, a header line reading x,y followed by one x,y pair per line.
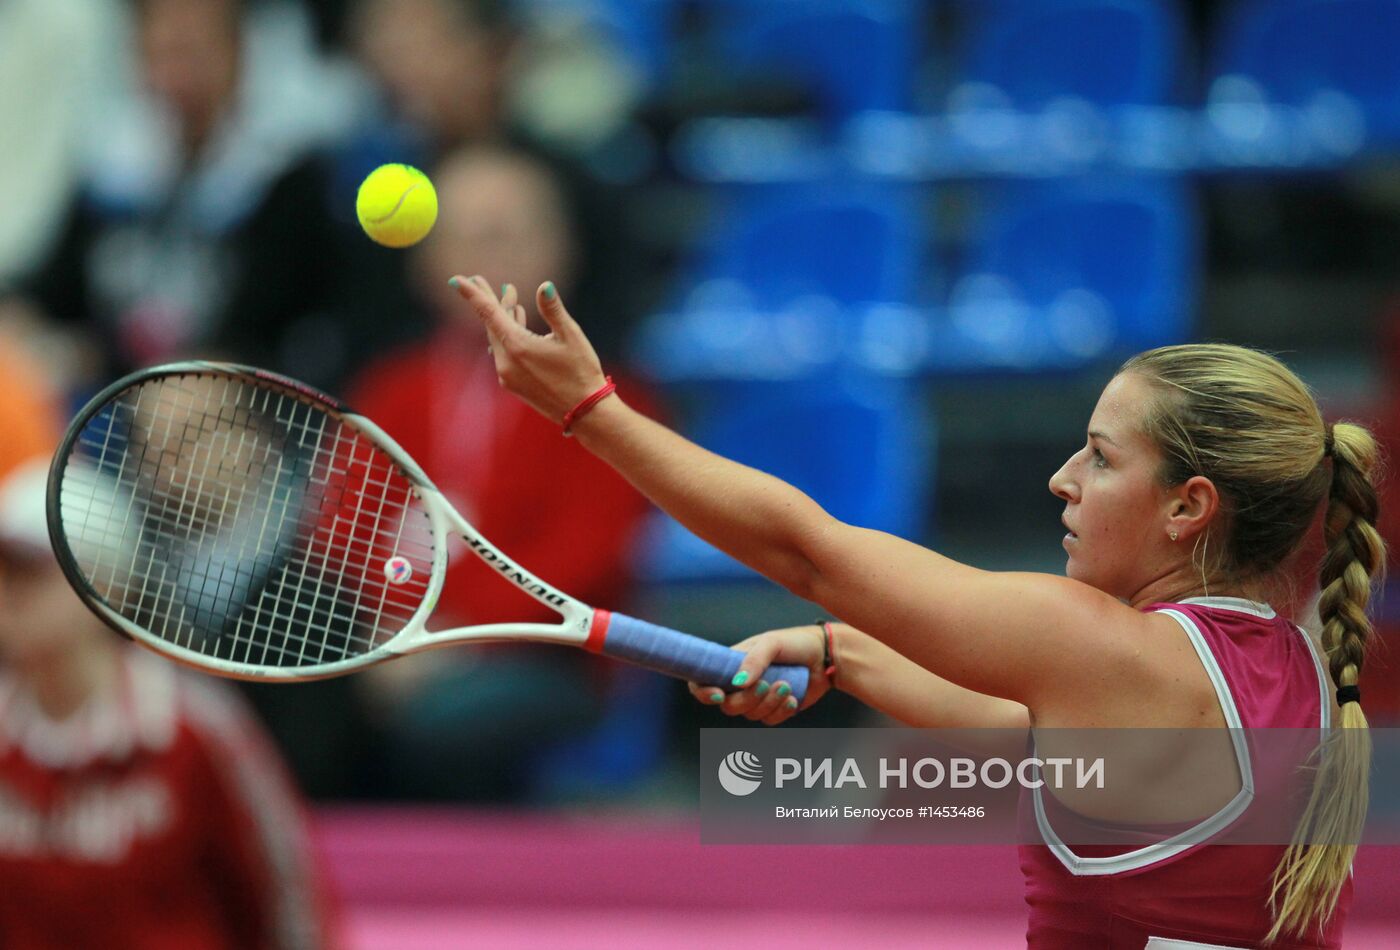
x,y
1245,421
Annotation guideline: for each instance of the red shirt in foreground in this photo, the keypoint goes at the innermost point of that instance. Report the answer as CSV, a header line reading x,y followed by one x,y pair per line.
x,y
154,818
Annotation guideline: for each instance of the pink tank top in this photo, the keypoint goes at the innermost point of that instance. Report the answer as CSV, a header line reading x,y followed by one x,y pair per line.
x,y
1266,673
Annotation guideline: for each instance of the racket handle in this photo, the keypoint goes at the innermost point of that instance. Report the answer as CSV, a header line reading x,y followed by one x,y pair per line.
x,y
679,654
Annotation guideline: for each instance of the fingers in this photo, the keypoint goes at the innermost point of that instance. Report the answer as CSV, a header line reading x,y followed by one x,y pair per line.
x,y
776,706
751,692
744,702
499,322
751,695
505,317
757,658
709,695
509,298
510,303
554,313
765,702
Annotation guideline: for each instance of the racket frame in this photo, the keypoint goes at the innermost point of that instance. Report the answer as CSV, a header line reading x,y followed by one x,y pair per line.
x,y
573,629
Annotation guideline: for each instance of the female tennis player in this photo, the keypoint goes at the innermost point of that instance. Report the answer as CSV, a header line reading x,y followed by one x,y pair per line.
x,y
1201,473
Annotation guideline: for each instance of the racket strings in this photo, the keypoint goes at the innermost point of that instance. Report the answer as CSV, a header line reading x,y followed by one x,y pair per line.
x,y
244,522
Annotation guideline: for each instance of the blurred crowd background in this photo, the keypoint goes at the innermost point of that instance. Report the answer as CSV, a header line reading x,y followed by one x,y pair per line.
x,y
888,250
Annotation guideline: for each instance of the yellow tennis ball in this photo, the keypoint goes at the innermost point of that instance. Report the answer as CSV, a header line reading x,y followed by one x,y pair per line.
x,y
396,205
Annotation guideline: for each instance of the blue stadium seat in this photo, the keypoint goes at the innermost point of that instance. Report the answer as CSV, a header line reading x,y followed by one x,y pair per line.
x,y
1312,53
622,751
852,241
1065,272
1106,52
855,55
777,283
639,29
815,256
859,444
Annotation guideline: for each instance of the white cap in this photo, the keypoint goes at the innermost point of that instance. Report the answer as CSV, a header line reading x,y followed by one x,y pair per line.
x,y
96,518
24,527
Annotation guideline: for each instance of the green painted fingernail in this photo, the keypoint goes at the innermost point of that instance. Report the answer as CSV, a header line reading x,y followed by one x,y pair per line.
x,y
549,290
792,702
761,688
784,689
454,283
716,697
504,288
740,678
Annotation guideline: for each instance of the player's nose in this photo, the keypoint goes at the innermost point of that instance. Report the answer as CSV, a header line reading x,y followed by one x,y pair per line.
x,y
1062,485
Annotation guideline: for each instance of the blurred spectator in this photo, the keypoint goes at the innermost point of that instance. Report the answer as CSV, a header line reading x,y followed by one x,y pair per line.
x,y
451,73
466,724
55,56
139,806
201,226
29,423
441,66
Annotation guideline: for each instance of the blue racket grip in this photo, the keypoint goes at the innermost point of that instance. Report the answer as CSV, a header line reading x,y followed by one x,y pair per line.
x,y
679,654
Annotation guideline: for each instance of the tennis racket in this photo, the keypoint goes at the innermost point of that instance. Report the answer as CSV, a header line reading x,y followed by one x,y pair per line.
x,y
248,525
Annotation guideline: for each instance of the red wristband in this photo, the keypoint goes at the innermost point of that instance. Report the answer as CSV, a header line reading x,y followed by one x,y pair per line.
x,y
582,409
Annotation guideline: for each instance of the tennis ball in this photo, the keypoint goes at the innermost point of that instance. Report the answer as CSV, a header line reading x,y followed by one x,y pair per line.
x,y
396,205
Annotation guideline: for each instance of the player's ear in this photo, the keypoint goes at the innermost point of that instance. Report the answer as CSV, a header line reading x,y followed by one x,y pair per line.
x,y
1191,506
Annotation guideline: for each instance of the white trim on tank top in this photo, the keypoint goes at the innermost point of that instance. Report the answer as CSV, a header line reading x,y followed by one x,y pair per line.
x,y
1197,834
1254,607
1266,612
1324,681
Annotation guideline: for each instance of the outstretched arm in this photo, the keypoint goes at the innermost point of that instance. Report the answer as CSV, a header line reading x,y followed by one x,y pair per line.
x,y
862,667
753,519
900,688
1021,637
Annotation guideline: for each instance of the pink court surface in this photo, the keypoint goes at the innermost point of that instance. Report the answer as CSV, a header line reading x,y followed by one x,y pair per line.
x,y
443,879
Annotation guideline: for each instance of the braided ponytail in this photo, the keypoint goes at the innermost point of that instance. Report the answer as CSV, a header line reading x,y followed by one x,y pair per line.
x,y
1247,422
1315,866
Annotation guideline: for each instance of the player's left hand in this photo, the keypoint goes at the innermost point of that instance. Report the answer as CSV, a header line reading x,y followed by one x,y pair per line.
x,y
553,372
767,702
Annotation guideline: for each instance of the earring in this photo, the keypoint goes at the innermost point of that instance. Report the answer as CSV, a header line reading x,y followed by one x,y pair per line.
x,y
1173,535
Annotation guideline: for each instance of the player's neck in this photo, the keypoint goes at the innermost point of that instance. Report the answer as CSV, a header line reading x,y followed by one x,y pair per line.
x,y
1178,586
63,683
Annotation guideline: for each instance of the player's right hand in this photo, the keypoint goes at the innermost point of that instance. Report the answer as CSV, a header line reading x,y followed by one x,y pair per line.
x,y
768,701
553,371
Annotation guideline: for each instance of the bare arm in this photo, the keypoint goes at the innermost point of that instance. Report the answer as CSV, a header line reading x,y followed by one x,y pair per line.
x,y
994,635
756,518
879,677
1019,637
904,690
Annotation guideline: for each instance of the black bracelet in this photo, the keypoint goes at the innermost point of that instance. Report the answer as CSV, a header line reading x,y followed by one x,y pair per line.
x,y
828,654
